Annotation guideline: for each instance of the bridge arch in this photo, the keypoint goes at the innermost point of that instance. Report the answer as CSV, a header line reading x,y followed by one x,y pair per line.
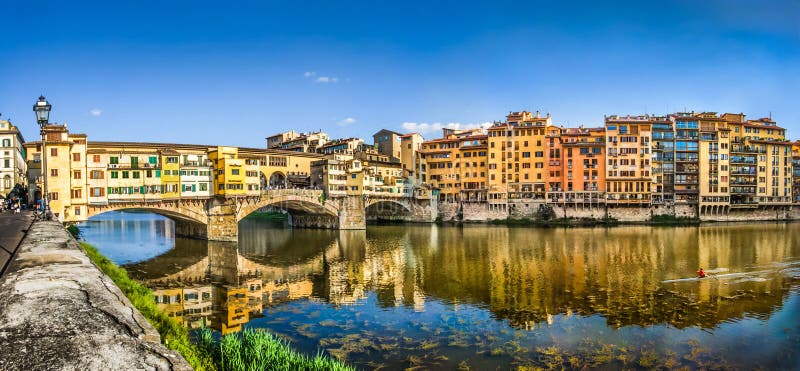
x,y
308,202
174,211
380,202
387,209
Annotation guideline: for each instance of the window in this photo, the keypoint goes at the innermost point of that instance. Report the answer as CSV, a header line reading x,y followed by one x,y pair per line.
x,y
53,152
114,174
97,192
204,186
53,196
234,171
76,157
77,210
76,174
135,174
96,158
76,193
53,172
152,160
114,160
125,174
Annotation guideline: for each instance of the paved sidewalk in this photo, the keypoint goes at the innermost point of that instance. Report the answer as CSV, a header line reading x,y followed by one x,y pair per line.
x,y
12,230
59,311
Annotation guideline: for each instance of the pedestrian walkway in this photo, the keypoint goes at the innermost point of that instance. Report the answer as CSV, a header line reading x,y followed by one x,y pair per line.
x,y
59,311
12,230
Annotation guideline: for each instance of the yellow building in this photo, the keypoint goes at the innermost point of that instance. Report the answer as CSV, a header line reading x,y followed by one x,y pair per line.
x,y
229,175
628,177
714,163
60,149
170,174
517,156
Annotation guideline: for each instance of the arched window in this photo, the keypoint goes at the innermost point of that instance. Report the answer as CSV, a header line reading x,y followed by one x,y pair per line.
x,y
6,142
7,182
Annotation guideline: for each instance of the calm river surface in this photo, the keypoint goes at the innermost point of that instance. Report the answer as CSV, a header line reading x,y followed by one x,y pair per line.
x,y
484,297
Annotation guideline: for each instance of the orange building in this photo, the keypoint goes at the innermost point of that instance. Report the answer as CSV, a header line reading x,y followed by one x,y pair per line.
x,y
576,165
455,166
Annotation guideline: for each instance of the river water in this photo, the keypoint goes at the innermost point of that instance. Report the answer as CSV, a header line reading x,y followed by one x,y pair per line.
x,y
483,297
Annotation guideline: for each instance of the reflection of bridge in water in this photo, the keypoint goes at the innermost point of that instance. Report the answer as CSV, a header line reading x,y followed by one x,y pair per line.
x,y
616,273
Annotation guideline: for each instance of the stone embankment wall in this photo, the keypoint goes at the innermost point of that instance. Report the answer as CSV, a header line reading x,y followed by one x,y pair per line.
x,y
59,311
481,211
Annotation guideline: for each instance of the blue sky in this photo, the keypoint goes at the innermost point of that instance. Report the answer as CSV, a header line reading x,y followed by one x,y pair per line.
x,y
235,72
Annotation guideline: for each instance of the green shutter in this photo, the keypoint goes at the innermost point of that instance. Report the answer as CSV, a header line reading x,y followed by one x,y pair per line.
x,y
141,190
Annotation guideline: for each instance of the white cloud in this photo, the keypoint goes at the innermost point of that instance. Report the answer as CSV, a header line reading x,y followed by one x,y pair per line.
x,y
320,79
327,80
346,122
96,112
424,127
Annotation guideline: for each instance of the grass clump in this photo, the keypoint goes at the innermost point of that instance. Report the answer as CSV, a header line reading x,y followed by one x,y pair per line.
x,y
248,350
261,350
173,334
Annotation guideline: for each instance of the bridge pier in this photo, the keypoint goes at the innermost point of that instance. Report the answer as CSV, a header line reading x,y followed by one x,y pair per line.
x,y
352,213
223,221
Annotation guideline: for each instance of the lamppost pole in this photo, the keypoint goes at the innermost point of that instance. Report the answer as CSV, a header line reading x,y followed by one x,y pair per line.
x,y
42,110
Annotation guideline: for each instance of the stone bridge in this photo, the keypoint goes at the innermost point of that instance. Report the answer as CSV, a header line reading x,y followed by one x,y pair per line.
x,y
217,218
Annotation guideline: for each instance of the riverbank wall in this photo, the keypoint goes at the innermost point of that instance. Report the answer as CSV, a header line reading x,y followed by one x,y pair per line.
x,y
488,212
59,311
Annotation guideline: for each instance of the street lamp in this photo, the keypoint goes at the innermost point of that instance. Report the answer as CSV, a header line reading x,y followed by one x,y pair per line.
x,y
42,110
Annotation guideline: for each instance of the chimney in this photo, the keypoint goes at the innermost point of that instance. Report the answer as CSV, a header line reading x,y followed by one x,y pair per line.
x,y
538,116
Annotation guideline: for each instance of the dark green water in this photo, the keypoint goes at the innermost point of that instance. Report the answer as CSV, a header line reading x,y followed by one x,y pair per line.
x,y
484,297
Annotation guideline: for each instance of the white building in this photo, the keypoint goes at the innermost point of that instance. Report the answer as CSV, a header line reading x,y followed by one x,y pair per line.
x,y
196,176
12,158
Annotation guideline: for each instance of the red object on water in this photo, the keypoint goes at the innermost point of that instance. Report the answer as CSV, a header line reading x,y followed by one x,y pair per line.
x,y
700,273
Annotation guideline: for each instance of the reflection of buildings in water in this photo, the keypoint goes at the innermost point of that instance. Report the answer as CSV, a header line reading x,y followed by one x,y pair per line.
x,y
230,308
382,265
613,272
191,305
528,277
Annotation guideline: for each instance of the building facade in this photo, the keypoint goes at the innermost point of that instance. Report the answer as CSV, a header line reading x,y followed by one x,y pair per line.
x,y
13,167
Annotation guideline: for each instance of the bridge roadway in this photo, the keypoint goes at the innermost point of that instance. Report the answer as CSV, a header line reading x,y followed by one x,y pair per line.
x,y
216,218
